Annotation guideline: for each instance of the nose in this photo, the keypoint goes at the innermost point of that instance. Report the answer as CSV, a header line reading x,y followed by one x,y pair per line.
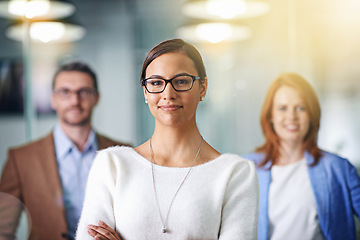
x,y
169,92
292,114
74,97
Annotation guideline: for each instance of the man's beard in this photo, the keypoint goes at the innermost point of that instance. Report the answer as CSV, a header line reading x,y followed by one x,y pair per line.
x,y
84,122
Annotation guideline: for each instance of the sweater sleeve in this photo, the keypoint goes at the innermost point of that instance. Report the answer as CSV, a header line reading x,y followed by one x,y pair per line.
x,y
99,196
241,204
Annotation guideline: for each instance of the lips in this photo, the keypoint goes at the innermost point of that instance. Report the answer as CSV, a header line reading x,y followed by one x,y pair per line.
x,y
75,110
170,107
292,127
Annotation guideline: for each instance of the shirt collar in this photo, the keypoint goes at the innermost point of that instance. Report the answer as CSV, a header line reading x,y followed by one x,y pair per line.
x,y
91,142
63,144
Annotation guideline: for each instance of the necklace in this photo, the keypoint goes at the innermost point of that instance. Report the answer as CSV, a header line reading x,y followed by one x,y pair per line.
x,y
164,221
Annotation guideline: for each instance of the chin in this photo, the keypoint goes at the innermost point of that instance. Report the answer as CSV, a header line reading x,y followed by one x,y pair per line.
x,y
172,122
81,122
292,140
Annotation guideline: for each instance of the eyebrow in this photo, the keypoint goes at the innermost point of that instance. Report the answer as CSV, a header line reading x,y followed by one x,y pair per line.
x,y
155,76
285,104
176,75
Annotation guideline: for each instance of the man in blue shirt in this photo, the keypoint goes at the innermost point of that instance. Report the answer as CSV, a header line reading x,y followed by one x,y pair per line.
x,y
49,175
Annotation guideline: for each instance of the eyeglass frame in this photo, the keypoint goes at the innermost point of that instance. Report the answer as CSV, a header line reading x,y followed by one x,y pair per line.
x,y
170,81
59,92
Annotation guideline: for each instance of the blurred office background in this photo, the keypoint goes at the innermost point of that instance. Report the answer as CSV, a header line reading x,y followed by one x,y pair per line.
x,y
320,39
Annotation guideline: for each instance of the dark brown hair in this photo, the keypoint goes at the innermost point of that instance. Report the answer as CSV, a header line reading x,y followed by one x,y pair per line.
x,y
175,45
78,67
271,147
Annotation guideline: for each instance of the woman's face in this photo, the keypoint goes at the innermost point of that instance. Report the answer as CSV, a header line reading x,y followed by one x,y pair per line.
x,y
171,107
290,117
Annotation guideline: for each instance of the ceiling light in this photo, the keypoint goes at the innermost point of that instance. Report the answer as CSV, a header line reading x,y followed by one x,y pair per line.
x,y
214,32
39,9
48,31
225,9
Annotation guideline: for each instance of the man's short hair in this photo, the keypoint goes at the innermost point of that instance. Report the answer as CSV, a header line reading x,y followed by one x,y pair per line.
x,y
79,67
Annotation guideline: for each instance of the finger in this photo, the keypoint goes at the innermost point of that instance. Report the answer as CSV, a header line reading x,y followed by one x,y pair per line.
x,y
96,235
91,232
99,232
100,237
108,228
105,226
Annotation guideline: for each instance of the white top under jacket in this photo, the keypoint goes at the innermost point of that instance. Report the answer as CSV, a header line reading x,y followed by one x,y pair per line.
x,y
218,200
292,206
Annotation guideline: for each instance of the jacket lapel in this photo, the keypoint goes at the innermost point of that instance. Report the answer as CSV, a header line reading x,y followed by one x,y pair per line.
x,y
264,175
50,170
318,176
102,143
50,191
50,167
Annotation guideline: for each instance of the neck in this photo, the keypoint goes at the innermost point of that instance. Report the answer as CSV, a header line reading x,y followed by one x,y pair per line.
x,y
174,147
77,134
290,153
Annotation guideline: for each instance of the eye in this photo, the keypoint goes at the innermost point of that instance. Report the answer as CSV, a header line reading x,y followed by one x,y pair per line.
x,y
84,92
300,108
155,82
282,108
64,92
182,80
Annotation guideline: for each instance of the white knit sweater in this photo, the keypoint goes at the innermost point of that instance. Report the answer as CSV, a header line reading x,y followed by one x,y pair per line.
x,y
218,200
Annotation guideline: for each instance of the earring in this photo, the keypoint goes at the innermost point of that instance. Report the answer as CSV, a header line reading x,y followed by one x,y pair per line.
x,y
201,98
146,101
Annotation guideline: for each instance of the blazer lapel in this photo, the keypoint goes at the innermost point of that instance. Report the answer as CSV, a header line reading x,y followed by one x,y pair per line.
x,y
50,170
264,175
318,176
102,143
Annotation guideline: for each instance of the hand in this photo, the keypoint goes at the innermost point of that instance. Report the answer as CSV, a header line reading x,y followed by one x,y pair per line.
x,y
102,232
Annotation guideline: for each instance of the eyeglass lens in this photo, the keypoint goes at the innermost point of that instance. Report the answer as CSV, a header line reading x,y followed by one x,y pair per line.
x,y
179,83
83,93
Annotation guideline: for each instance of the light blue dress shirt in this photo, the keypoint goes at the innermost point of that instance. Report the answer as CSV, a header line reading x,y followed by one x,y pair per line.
x,y
74,167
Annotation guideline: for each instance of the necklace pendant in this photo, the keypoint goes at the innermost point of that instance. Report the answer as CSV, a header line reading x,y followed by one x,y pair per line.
x,y
164,229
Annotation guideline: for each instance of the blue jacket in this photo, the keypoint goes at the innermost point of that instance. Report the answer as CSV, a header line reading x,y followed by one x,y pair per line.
x,y
336,186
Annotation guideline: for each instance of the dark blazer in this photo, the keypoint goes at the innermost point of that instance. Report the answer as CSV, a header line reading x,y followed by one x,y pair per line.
x,y
31,175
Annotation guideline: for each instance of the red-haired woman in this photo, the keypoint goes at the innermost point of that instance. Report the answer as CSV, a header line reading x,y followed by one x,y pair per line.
x,y
305,193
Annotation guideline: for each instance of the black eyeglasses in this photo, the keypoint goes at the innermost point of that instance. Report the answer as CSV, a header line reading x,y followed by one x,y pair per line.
x,y
180,83
82,93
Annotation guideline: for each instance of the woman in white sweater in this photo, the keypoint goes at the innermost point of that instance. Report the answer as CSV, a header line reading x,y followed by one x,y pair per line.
x,y
175,185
